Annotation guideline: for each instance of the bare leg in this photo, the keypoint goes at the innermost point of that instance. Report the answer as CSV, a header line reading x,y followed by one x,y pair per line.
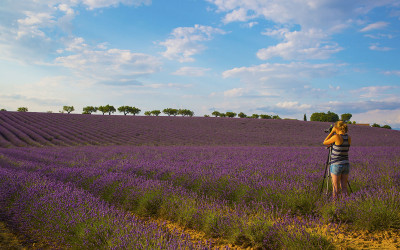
x,y
343,184
335,185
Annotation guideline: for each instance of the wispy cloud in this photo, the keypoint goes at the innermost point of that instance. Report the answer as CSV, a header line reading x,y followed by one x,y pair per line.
x,y
377,47
374,26
251,24
94,4
48,91
237,15
185,42
191,71
281,75
28,27
27,99
121,67
300,45
236,92
311,42
375,92
329,14
168,85
379,36
360,106
285,108
292,105
317,21
380,116
334,87
392,72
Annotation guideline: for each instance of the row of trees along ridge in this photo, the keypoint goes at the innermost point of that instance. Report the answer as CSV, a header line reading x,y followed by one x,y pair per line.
x,y
130,110
332,117
318,116
243,115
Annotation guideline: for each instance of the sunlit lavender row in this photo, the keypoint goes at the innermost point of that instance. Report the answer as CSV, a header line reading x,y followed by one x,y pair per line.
x,y
21,129
65,216
242,194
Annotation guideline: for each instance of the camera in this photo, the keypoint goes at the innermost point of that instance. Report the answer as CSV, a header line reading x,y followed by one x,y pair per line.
x,y
329,129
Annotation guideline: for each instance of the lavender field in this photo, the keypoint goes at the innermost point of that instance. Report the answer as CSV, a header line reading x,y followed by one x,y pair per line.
x,y
22,129
115,182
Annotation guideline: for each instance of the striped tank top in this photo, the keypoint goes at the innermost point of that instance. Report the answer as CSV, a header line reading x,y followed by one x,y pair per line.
x,y
340,153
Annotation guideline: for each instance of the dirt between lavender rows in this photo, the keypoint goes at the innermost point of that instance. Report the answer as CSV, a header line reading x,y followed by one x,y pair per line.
x,y
11,240
350,239
346,239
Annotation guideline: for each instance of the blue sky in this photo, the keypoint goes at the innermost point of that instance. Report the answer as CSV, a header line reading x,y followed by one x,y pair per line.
x,y
282,57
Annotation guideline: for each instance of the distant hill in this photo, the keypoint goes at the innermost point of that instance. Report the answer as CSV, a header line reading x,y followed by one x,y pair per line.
x,y
22,129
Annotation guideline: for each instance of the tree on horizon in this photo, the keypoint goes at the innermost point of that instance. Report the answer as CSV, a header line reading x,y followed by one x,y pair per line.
x,y
68,109
124,109
22,109
89,110
107,109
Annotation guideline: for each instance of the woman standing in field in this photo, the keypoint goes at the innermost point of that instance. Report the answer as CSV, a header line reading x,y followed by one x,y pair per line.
x,y
339,164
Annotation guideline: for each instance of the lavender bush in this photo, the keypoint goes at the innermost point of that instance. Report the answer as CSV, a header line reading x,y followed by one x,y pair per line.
x,y
65,216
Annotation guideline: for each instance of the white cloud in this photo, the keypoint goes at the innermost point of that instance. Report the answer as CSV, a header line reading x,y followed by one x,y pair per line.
x,y
191,71
168,85
236,92
39,95
318,92
334,88
374,92
94,4
250,93
361,106
112,66
185,42
27,27
300,45
379,116
377,47
292,105
237,15
32,19
317,20
67,9
281,75
379,36
76,44
328,14
24,100
374,26
286,108
307,13
393,72
251,24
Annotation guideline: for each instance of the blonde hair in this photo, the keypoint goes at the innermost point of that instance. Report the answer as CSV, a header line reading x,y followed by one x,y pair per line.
x,y
341,126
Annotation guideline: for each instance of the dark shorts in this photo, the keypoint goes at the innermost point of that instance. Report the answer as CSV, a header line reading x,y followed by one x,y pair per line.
x,y
339,169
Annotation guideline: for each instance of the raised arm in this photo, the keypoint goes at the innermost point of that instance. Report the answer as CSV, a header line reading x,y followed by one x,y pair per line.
x,y
332,138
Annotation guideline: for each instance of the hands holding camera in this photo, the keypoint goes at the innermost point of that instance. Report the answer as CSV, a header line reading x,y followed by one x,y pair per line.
x,y
332,136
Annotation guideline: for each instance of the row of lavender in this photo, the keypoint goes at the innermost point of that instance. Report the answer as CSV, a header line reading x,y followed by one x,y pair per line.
x,y
19,129
60,215
242,194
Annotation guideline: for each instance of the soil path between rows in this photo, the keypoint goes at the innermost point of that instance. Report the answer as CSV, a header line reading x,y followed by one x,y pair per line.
x,y
346,239
11,240
8,240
